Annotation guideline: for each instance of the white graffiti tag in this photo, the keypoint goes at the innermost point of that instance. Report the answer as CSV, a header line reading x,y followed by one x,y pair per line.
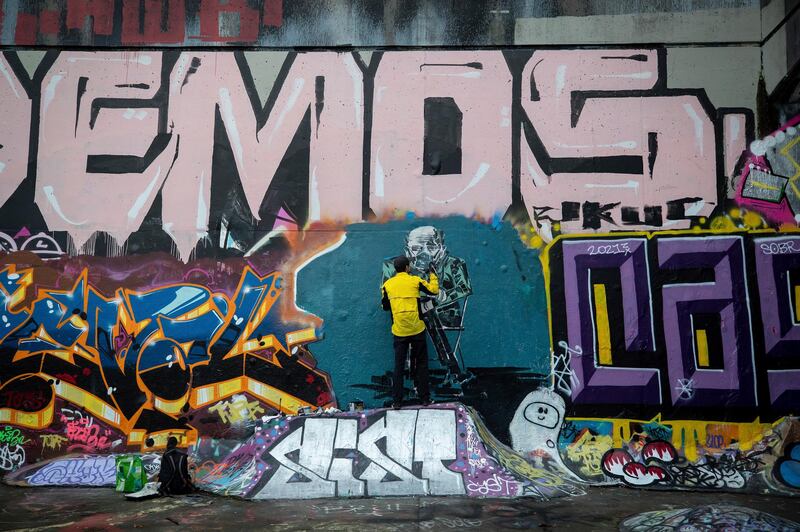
x,y
685,388
564,377
393,445
494,486
11,457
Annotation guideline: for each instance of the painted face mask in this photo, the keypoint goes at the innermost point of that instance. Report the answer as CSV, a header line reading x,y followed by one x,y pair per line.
x,y
425,246
543,413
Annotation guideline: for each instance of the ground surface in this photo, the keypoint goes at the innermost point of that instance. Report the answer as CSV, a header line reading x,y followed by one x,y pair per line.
x,y
104,509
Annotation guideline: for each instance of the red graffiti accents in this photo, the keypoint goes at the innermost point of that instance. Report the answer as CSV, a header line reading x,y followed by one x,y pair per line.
x,y
145,22
32,26
66,377
49,22
272,13
98,13
638,474
26,29
27,400
615,460
324,398
660,450
153,21
619,463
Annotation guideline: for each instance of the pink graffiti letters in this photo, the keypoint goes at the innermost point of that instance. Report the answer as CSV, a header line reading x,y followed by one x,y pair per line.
x,y
631,160
87,435
155,132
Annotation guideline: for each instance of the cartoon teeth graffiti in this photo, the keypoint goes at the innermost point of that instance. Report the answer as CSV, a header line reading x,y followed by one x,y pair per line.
x,y
535,427
619,463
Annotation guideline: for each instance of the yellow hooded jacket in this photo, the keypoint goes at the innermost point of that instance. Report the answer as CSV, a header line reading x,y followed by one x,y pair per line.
x,y
401,294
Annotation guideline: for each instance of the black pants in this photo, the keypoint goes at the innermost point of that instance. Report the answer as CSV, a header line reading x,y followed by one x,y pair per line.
x,y
419,360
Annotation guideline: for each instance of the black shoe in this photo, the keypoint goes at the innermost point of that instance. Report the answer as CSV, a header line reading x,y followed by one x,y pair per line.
x,y
426,402
395,406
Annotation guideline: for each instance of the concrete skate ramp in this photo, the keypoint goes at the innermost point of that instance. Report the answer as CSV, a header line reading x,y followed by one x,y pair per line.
x,y
438,450
75,470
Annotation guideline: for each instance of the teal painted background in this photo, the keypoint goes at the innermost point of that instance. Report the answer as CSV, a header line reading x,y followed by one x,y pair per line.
x,y
505,323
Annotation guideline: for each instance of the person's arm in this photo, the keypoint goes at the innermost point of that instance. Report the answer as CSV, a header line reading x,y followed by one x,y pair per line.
x,y
430,286
184,469
385,299
164,471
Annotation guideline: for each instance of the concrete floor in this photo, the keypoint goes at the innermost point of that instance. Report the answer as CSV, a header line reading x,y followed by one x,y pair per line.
x,y
104,509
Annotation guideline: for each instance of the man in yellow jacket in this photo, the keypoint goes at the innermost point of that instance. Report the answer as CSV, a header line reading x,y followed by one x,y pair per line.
x,y
401,295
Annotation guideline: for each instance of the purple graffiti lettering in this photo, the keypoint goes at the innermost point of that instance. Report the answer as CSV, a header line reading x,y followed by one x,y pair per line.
x,y
726,297
582,264
778,273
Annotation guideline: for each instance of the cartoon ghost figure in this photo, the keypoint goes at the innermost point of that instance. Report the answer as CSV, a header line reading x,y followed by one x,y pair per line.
x,y
535,427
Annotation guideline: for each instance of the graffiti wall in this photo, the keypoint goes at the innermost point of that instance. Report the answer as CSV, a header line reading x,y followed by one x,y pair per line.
x,y
369,135
428,451
193,242
159,359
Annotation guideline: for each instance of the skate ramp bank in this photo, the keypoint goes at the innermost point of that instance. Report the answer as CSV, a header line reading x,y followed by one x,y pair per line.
x,y
437,450
76,470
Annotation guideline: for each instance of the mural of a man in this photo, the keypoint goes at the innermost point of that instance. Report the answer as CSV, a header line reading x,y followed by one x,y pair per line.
x,y
425,250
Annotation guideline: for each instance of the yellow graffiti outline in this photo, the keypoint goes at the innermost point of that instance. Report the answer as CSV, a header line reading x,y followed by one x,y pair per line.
x,y
785,152
754,431
109,413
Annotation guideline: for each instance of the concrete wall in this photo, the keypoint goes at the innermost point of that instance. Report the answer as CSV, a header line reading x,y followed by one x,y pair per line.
x,y
367,23
195,233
